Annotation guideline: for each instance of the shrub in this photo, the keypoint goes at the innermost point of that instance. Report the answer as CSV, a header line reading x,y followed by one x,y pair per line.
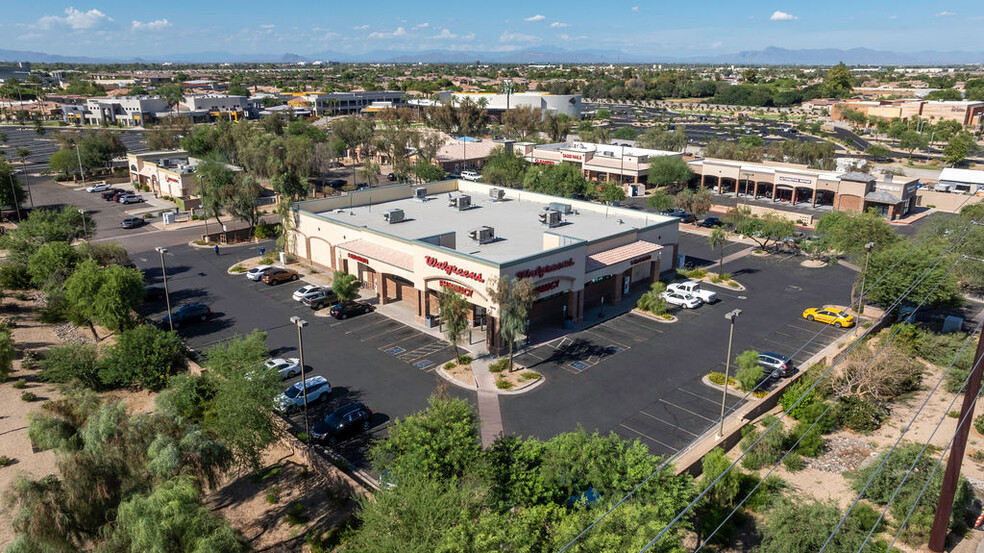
x,y
953,414
70,362
503,384
768,450
529,375
48,432
145,356
749,371
30,360
266,230
450,365
19,384
859,414
29,396
273,496
793,462
979,423
499,365
238,268
267,259
295,514
718,378
5,461
303,436
465,359
14,276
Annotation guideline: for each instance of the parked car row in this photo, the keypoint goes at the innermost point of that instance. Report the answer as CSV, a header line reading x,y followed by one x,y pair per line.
x,y
119,195
688,295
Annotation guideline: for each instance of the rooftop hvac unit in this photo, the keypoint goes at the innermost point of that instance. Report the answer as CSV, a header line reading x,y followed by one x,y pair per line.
x,y
461,201
482,235
566,209
550,218
393,216
497,194
420,194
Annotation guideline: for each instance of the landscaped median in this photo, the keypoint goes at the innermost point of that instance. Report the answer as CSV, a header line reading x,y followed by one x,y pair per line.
x,y
507,381
723,280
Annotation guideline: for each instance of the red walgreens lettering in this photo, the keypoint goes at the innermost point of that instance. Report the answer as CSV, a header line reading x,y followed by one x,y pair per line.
x,y
641,259
544,269
548,286
450,269
457,288
358,258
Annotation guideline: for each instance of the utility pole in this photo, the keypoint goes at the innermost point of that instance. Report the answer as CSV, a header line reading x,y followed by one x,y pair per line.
x,y
731,316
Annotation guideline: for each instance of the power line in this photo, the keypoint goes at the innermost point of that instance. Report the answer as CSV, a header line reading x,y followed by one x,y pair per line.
x,y
803,396
676,455
899,440
925,446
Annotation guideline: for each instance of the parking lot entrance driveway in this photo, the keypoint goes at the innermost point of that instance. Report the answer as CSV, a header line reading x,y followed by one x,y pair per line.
x,y
641,378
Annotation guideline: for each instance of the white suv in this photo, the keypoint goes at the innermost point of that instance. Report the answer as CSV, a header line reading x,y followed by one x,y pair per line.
x,y
471,175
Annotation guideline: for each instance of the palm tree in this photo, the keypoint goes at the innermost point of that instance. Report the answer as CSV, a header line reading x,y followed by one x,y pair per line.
x,y
718,240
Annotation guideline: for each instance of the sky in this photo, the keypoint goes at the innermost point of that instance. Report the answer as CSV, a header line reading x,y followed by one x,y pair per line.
x,y
105,28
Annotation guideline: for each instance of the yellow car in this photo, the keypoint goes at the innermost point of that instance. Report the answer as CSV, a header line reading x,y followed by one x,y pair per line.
x,y
829,315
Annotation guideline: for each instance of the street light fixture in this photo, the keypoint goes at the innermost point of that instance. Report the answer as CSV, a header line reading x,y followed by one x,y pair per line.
x,y
731,316
85,228
167,294
13,195
201,189
867,256
301,323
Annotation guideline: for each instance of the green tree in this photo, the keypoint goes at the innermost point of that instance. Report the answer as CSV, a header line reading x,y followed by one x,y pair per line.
x,y
556,126
722,496
439,443
847,233
564,179
173,94
241,412
959,147
515,298
696,202
838,82
7,354
52,261
717,240
217,181
878,150
41,227
145,356
611,192
504,168
171,518
454,317
661,200
106,296
888,281
911,141
948,94
345,286
428,172
749,371
72,362
11,192
801,527
669,170
243,202
369,173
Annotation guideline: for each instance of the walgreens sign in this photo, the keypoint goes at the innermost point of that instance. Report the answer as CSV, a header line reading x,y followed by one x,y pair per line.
x,y
542,270
450,269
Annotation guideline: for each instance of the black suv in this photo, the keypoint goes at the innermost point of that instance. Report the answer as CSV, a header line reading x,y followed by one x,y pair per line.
x,y
342,422
321,298
187,314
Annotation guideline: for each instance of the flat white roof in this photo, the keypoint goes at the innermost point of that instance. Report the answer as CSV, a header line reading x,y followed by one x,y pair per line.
x,y
518,231
962,175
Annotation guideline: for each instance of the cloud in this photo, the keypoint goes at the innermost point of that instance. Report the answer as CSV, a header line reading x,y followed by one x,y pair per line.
x,y
516,37
782,16
361,27
945,14
447,34
267,26
893,17
536,17
75,19
635,8
30,36
150,25
421,26
558,25
715,44
400,31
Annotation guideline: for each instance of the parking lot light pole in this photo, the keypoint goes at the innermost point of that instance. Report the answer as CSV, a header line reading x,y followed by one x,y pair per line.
x,y
731,316
85,228
301,323
867,256
13,195
167,294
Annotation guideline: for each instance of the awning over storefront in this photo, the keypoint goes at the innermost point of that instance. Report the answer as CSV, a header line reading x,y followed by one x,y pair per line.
x,y
632,252
377,252
147,171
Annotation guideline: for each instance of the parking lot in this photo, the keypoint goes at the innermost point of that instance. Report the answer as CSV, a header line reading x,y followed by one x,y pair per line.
x,y
41,147
642,379
369,358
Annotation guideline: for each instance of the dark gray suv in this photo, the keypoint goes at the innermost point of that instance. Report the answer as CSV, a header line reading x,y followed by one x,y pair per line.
x,y
776,365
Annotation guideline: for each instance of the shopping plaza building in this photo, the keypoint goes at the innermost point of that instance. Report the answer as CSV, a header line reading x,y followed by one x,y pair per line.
x,y
893,197
408,243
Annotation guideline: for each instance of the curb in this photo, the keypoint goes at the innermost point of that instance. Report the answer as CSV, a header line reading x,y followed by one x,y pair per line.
x,y
652,317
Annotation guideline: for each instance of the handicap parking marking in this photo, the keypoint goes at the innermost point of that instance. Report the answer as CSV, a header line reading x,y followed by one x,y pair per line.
x,y
395,350
579,366
423,365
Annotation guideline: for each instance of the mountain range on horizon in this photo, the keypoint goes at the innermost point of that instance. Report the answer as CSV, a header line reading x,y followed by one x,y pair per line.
x,y
771,55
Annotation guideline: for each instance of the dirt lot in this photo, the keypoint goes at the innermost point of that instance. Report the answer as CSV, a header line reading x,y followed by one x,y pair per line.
x,y
258,505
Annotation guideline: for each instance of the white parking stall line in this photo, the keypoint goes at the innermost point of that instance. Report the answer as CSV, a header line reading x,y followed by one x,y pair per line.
x,y
705,398
685,410
633,430
667,423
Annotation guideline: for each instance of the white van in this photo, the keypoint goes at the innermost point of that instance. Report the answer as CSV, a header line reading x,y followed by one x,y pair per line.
x,y
471,175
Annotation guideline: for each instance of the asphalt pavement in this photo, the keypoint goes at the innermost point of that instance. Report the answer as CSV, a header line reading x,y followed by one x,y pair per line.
x,y
42,146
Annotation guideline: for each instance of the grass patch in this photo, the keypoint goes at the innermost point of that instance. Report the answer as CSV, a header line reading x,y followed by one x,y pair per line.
x,y
273,496
529,375
268,473
238,268
29,396
718,378
295,514
5,461
19,384
450,365
503,384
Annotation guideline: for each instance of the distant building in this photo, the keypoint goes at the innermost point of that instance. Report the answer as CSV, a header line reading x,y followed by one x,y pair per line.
x,y
605,162
167,173
965,112
212,107
129,111
20,71
496,104
785,183
342,103
961,181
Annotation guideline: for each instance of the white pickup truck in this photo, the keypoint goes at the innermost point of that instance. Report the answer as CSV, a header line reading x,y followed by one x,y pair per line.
x,y
693,288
